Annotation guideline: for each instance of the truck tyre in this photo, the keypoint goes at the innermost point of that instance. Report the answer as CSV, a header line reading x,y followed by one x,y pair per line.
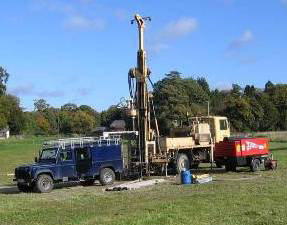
x,y
44,184
107,176
227,167
255,165
24,188
182,162
218,165
88,182
195,165
230,167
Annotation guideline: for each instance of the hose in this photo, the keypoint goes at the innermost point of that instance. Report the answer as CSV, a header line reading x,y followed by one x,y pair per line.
x,y
131,87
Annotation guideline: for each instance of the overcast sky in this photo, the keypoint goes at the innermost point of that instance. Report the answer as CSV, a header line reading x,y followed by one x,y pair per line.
x,y
80,51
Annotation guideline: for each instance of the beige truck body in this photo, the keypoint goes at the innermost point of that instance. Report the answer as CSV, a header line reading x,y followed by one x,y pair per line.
x,y
203,134
180,143
176,143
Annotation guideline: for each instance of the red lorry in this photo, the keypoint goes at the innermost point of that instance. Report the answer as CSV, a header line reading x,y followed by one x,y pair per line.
x,y
250,152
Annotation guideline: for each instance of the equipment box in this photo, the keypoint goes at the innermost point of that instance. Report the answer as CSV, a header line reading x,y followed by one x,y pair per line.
x,y
250,152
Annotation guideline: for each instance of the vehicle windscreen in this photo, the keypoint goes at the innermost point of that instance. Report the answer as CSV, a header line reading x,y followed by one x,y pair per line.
x,y
49,154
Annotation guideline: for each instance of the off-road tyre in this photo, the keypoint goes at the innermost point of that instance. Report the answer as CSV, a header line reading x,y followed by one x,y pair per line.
x,y
194,165
182,163
218,165
107,176
24,188
89,182
255,165
44,184
230,167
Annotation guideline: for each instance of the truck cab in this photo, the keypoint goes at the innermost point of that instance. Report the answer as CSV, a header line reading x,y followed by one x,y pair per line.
x,y
76,159
219,127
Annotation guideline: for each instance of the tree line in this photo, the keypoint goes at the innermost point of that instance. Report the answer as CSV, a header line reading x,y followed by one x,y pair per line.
x,y
248,108
176,97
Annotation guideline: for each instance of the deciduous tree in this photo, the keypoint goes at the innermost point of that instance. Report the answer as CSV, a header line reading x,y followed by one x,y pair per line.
x,y
4,76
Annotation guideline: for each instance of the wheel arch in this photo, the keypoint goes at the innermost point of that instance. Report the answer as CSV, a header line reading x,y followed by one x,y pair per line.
x,y
108,166
47,172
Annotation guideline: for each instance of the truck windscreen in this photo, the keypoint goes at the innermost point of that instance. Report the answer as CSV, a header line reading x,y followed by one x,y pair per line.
x,y
49,154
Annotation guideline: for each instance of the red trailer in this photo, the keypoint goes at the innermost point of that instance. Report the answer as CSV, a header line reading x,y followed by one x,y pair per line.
x,y
251,152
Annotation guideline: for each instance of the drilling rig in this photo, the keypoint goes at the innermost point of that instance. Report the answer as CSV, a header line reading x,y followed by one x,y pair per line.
x,y
185,146
140,98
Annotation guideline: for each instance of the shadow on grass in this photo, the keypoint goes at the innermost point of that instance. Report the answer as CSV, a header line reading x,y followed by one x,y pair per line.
x,y
278,149
9,190
208,170
219,170
12,189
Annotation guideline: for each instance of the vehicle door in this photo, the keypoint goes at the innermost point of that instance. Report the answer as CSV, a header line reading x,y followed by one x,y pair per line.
x,y
224,130
67,164
83,161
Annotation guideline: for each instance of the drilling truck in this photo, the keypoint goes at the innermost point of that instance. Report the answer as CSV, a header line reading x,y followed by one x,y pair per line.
x,y
185,147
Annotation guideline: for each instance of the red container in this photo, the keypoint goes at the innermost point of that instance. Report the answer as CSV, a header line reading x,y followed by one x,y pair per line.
x,y
243,147
251,152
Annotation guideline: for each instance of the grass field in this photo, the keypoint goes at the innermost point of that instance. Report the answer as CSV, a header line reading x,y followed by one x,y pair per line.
x,y
233,198
14,152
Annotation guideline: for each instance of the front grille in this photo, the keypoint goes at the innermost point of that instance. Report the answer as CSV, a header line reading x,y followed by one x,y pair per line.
x,y
22,174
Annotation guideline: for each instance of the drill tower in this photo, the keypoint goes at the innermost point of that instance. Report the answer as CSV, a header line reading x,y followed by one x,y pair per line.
x,y
141,95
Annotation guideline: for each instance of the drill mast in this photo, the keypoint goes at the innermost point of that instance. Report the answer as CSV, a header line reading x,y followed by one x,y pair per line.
x,y
141,98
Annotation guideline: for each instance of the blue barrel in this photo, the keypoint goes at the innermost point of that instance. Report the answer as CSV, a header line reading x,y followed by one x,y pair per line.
x,y
185,177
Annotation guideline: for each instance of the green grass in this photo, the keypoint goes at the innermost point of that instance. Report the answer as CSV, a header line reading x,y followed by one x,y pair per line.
x,y
14,152
257,199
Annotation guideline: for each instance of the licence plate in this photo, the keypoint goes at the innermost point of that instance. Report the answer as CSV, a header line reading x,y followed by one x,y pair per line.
x,y
21,181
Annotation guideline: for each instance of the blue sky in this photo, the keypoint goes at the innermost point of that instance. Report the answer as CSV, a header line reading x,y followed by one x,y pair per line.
x,y
80,51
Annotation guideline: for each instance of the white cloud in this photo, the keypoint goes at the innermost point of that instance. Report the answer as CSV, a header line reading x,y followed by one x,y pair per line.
x,y
84,23
30,90
172,31
223,86
54,6
158,47
25,89
180,28
84,91
51,94
121,14
245,38
74,16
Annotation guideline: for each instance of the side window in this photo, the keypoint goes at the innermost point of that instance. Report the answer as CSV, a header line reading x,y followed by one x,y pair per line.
x,y
66,155
83,154
223,124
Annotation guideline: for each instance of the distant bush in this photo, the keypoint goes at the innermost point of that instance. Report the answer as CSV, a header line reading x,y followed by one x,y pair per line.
x,y
275,136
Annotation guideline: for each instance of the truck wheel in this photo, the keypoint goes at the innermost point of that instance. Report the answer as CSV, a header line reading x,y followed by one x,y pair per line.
x,y
182,163
24,188
255,165
227,167
218,164
88,182
195,165
44,184
230,167
107,176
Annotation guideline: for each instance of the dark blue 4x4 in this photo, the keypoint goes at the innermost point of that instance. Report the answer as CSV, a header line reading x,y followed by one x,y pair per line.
x,y
74,159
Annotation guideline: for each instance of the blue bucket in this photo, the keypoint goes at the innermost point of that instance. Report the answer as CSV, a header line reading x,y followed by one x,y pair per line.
x,y
186,177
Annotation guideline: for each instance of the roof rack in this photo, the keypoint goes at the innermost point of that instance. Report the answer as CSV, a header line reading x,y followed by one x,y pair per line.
x,y
81,142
